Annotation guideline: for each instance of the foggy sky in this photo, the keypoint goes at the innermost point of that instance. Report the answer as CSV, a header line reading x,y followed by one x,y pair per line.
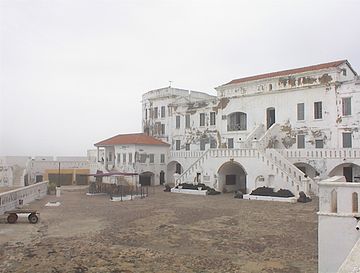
x,y
72,72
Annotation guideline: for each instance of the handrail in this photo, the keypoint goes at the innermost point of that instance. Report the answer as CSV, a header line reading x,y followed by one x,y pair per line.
x,y
264,140
178,179
254,133
321,153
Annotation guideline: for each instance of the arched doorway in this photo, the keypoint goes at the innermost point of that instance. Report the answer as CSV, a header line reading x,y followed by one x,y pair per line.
x,y
146,179
307,169
232,177
172,168
351,172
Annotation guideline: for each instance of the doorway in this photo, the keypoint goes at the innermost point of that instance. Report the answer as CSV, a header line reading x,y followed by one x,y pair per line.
x,y
270,117
348,173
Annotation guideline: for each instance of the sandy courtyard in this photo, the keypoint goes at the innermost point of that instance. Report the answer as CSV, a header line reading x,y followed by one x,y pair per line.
x,y
165,232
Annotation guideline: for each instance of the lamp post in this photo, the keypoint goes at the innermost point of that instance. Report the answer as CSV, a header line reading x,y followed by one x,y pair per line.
x,y
59,184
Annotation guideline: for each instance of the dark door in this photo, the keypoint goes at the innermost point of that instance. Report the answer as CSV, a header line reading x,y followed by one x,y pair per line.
x,y
348,173
81,179
145,180
65,179
39,178
178,168
162,178
270,117
230,179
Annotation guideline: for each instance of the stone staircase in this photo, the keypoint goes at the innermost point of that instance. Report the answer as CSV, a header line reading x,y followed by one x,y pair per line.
x,y
271,163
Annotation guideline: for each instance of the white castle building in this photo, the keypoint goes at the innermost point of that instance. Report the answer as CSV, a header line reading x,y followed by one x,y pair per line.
x,y
285,129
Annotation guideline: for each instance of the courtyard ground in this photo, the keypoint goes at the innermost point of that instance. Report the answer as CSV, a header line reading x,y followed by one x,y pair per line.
x,y
165,232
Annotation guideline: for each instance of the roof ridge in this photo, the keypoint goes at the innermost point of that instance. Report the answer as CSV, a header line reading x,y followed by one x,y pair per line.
x,y
288,71
136,138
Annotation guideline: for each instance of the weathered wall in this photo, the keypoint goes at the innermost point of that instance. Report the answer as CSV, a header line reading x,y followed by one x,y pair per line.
x,y
337,228
9,200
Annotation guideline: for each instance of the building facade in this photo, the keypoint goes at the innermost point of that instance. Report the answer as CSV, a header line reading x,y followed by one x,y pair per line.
x,y
339,226
285,129
132,159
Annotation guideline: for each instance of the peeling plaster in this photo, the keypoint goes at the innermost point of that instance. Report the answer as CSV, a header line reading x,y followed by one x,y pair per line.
x,y
221,105
325,79
289,139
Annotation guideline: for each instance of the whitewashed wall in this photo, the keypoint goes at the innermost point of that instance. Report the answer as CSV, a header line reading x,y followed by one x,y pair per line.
x,y
10,200
337,231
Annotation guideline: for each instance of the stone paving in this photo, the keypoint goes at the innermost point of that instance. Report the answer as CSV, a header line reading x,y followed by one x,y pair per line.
x,y
165,232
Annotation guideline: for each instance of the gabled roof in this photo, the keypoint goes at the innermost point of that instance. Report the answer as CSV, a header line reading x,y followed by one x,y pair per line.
x,y
290,72
140,138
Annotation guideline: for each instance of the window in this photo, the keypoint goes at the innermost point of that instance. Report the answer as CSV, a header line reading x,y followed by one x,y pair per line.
x,y
344,71
236,122
230,179
110,156
130,157
178,168
212,118
162,111
230,143
187,147
301,141
347,140
346,106
202,144
146,111
334,201
270,87
318,110
124,158
142,158
118,159
319,143
355,202
155,112
202,119
300,111
187,121
151,156
177,145
212,143
177,122
162,129
162,158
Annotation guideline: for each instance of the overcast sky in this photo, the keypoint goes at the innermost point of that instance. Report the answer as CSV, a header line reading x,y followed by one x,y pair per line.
x,y
73,71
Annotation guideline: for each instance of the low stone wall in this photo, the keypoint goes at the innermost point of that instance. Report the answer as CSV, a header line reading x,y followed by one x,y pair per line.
x,y
270,198
194,192
11,199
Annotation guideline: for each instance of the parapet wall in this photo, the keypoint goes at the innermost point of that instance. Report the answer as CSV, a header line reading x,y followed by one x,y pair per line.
x,y
11,199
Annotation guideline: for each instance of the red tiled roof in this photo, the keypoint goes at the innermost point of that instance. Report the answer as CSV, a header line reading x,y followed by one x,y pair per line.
x,y
288,72
131,139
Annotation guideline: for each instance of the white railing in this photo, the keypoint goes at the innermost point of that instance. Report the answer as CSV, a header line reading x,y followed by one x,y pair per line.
x,y
321,153
186,154
216,153
255,134
270,134
10,200
233,152
192,167
293,175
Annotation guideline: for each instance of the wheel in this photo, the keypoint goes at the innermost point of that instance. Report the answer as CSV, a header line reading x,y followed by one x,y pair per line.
x,y
33,219
12,218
